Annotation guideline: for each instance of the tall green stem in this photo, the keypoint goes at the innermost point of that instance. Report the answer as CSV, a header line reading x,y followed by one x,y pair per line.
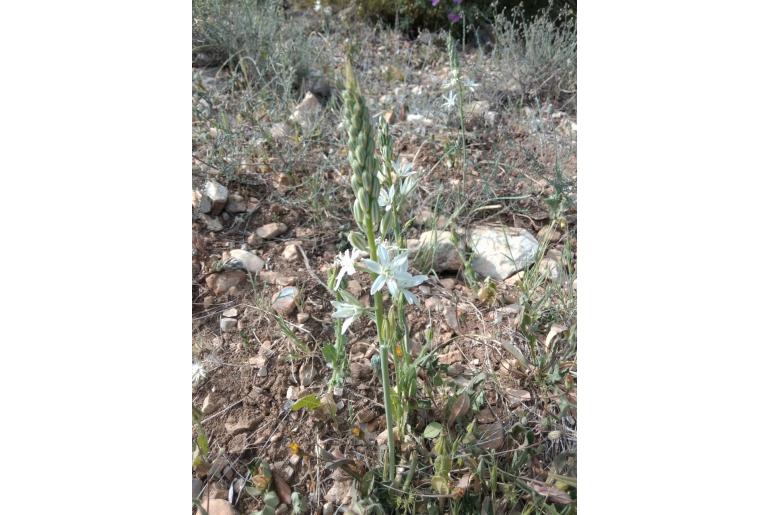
x,y
379,312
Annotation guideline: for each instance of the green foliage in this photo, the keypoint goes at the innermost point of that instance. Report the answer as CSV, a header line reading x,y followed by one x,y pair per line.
x,y
310,402
253,38
411,16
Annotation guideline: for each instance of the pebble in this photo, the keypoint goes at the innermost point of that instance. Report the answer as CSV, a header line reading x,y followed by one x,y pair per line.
x,y
306,112
228,324
439,246
272,230
212,224
244,260
235,204
218,196
291,252
448,283
230,313
284,302
215,507
355,288
302,318
209,405
226,282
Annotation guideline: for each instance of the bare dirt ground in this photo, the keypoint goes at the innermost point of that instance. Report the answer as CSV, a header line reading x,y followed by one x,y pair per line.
x,y
513,342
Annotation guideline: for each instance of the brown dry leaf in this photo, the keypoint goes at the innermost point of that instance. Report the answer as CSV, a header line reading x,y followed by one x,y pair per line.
x,y
459,408
518,395
450,314
282,488
306,373
464,482
551,493
556,329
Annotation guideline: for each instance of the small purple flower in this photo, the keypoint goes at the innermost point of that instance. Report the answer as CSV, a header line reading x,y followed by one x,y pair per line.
x,y
457,2
453,17
435,2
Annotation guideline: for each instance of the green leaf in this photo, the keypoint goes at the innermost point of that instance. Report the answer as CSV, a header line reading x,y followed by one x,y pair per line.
x,y
271,499
329,352
440,485
432,430
310,402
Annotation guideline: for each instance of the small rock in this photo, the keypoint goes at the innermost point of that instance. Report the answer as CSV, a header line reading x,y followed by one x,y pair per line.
x,y
295,459
212,224
215,507
307,111
284,302
240,425
258,361
328,508
253,239
291,393
501,251
366,415
490,118
549,268
306,373
304,232
210,405
204,206
302,317
225,282
433,303
288,472
244,260
230,313
208,301
548,235
262,372
424,289
218,196
271,230
515,279
448,283
450,357
360,371
228,324
436,249
355,288
235,205
291,252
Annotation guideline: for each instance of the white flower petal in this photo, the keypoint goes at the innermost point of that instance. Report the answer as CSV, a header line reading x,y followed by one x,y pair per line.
x,y
382,255
372,266
393,287
347,324
378,284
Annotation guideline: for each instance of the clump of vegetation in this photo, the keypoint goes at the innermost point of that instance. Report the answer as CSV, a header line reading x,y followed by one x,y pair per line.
x,y
542,52
251,37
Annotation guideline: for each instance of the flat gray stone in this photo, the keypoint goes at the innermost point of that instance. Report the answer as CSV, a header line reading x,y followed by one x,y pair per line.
x,y
499,252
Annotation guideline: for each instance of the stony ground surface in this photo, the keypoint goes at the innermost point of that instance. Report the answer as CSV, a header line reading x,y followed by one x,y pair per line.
x,y
270,209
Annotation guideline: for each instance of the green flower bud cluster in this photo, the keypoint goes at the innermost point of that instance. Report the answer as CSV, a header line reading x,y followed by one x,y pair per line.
x,y
366,185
